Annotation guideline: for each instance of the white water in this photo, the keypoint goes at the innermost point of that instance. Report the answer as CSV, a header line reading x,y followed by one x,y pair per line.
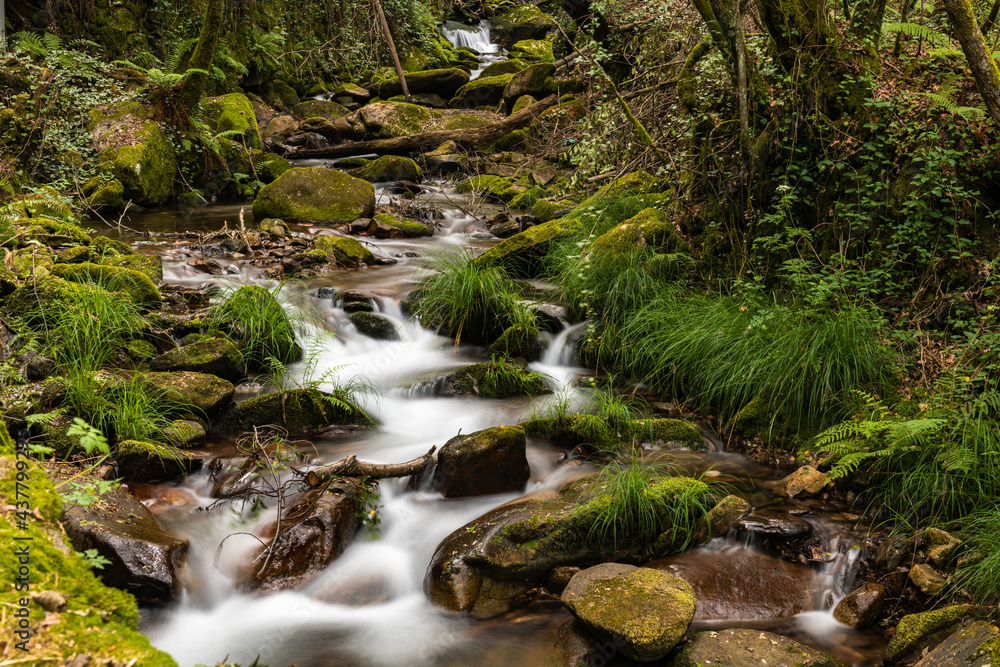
x,y
477,38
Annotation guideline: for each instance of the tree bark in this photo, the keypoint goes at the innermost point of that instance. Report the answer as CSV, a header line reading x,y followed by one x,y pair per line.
x,y
977,54
476,136
392,49
204,55
352,467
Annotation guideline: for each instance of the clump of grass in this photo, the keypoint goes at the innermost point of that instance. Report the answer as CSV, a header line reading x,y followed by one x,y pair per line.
x,y
979,576
264,320
618,411
503,377
124,409
468,300
89,331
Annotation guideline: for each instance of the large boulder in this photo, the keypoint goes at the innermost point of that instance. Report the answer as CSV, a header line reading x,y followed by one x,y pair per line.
x,y
201,392
384,120
916,632
133,149
344,251
521,22
740,647
389,168
316,527
536,80
320,109
216,356
233,113
443,82
314,194
483,92
297,411
533,50
644,612
374,326
972,646
144,560
483,463
648,228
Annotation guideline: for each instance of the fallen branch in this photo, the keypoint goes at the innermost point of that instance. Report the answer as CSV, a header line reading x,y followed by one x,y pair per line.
x,y
352,467
469,137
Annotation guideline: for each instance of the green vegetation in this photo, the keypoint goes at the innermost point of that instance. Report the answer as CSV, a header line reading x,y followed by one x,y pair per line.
x,y
264,321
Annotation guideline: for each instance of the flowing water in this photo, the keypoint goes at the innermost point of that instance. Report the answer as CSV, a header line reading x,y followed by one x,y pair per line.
x,y
476,38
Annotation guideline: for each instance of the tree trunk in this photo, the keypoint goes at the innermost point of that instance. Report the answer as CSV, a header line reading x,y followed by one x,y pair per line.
x,y
392,49
352,467
204,55
476,136
977,54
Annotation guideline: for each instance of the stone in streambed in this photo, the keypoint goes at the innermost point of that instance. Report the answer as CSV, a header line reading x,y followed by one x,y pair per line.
x,y
518,342
388,168
144,559
918,631
861,606
927,579
344,251
297,411
140,461
204,393
216,356
483,463
314,194
720,519
740,647
972,646
405,227
183,433
374,326
494,379
644,612
806,481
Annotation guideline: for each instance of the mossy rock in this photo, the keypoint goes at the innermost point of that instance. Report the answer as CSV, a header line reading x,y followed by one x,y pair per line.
x,y
320,109
374,326
108,195
511,66
536,80
141,350
432,100
315,194
533,50
733,646
523,102
98,621
527,198
104,246
270,166
976,645
648,228
389,168
47,203
52,293
233,113
73,255
215,356
486,462
149,265
918,631
521,22
112,278
498,188
280,94
298,411
385,120
518,342
482,92
493,379
184,433
572,431
461,121
345,251
52,233
140,461
670,430
201,393
518,140
443,82
408,228
146,168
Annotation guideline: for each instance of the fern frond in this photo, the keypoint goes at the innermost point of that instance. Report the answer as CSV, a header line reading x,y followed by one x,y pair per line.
x,y
177,53
918,31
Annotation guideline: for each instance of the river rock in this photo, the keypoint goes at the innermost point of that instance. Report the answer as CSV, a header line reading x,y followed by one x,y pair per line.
x,y
144,559
521,22
740,647
389,168
720,519
315,528
216,356
345,251
443,82
297,411
281,127
782,533
940,545
483,92
374,326
483,463
969,647
806,481
204,393
535,80
385,120
642,611
319,109
861,606
927,579
184,433
918,631
400,226
517,342
314,194
495,379
140,461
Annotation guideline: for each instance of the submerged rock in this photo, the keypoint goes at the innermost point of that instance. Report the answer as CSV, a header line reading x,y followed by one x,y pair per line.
x,y
740,647
314,194
483,463
216,356
144,559
643,612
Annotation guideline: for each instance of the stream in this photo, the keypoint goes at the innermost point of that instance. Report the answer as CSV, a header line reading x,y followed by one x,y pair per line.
x,y
368,607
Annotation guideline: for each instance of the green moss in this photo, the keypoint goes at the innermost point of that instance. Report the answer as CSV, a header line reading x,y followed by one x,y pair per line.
x,y
520,254
496,379
315,194
99,621
511,66
918,630
572,431
500,188
233,113
107,195
145,169
523,102
141,350
320,109
546,210
385,120
649,227
344,251
103,246
270,166
534,50
517,342
462,121
482,92
47,294
670,430
536,80
112,278
408,228
52,232
149,265
299,411
389,168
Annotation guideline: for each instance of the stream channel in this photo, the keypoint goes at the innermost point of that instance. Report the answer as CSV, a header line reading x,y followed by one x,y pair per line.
x,y
368,607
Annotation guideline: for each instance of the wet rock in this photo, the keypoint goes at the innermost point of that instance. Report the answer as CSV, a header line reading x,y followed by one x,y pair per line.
x,y
405,227
740,647
374,326
518,342
669,431
357,302
345,251
204,265
806,481
483,463
918,631
972,646
184,433
315,528
361,226
217,356
297,411
558,578
39,368
315,194
275,227
861,606
495,379
204,393
720,519
940,545
927,579
140,461
388,168
144,559
644,612
766,523
548,317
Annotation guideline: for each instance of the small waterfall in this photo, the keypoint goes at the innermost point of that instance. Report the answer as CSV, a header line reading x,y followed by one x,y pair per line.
x,y
475,38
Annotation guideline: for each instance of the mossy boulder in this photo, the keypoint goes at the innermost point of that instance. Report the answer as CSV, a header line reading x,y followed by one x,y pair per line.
x,y
94,612
320,109
270,166
523,102
110,252
142,159
52,293
389,168
297,411
135,284
184,433
572,431
482,92
498,188
518,342
535,80
918,631
315,194
443,82
510,66
345,251
976,645
407,227
52,233
216,356
105,194
641,611
648,228
384,120
533,50
734,646
374,326
202,393
493,379
669,430
140,461
483,463
521,22
233,113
